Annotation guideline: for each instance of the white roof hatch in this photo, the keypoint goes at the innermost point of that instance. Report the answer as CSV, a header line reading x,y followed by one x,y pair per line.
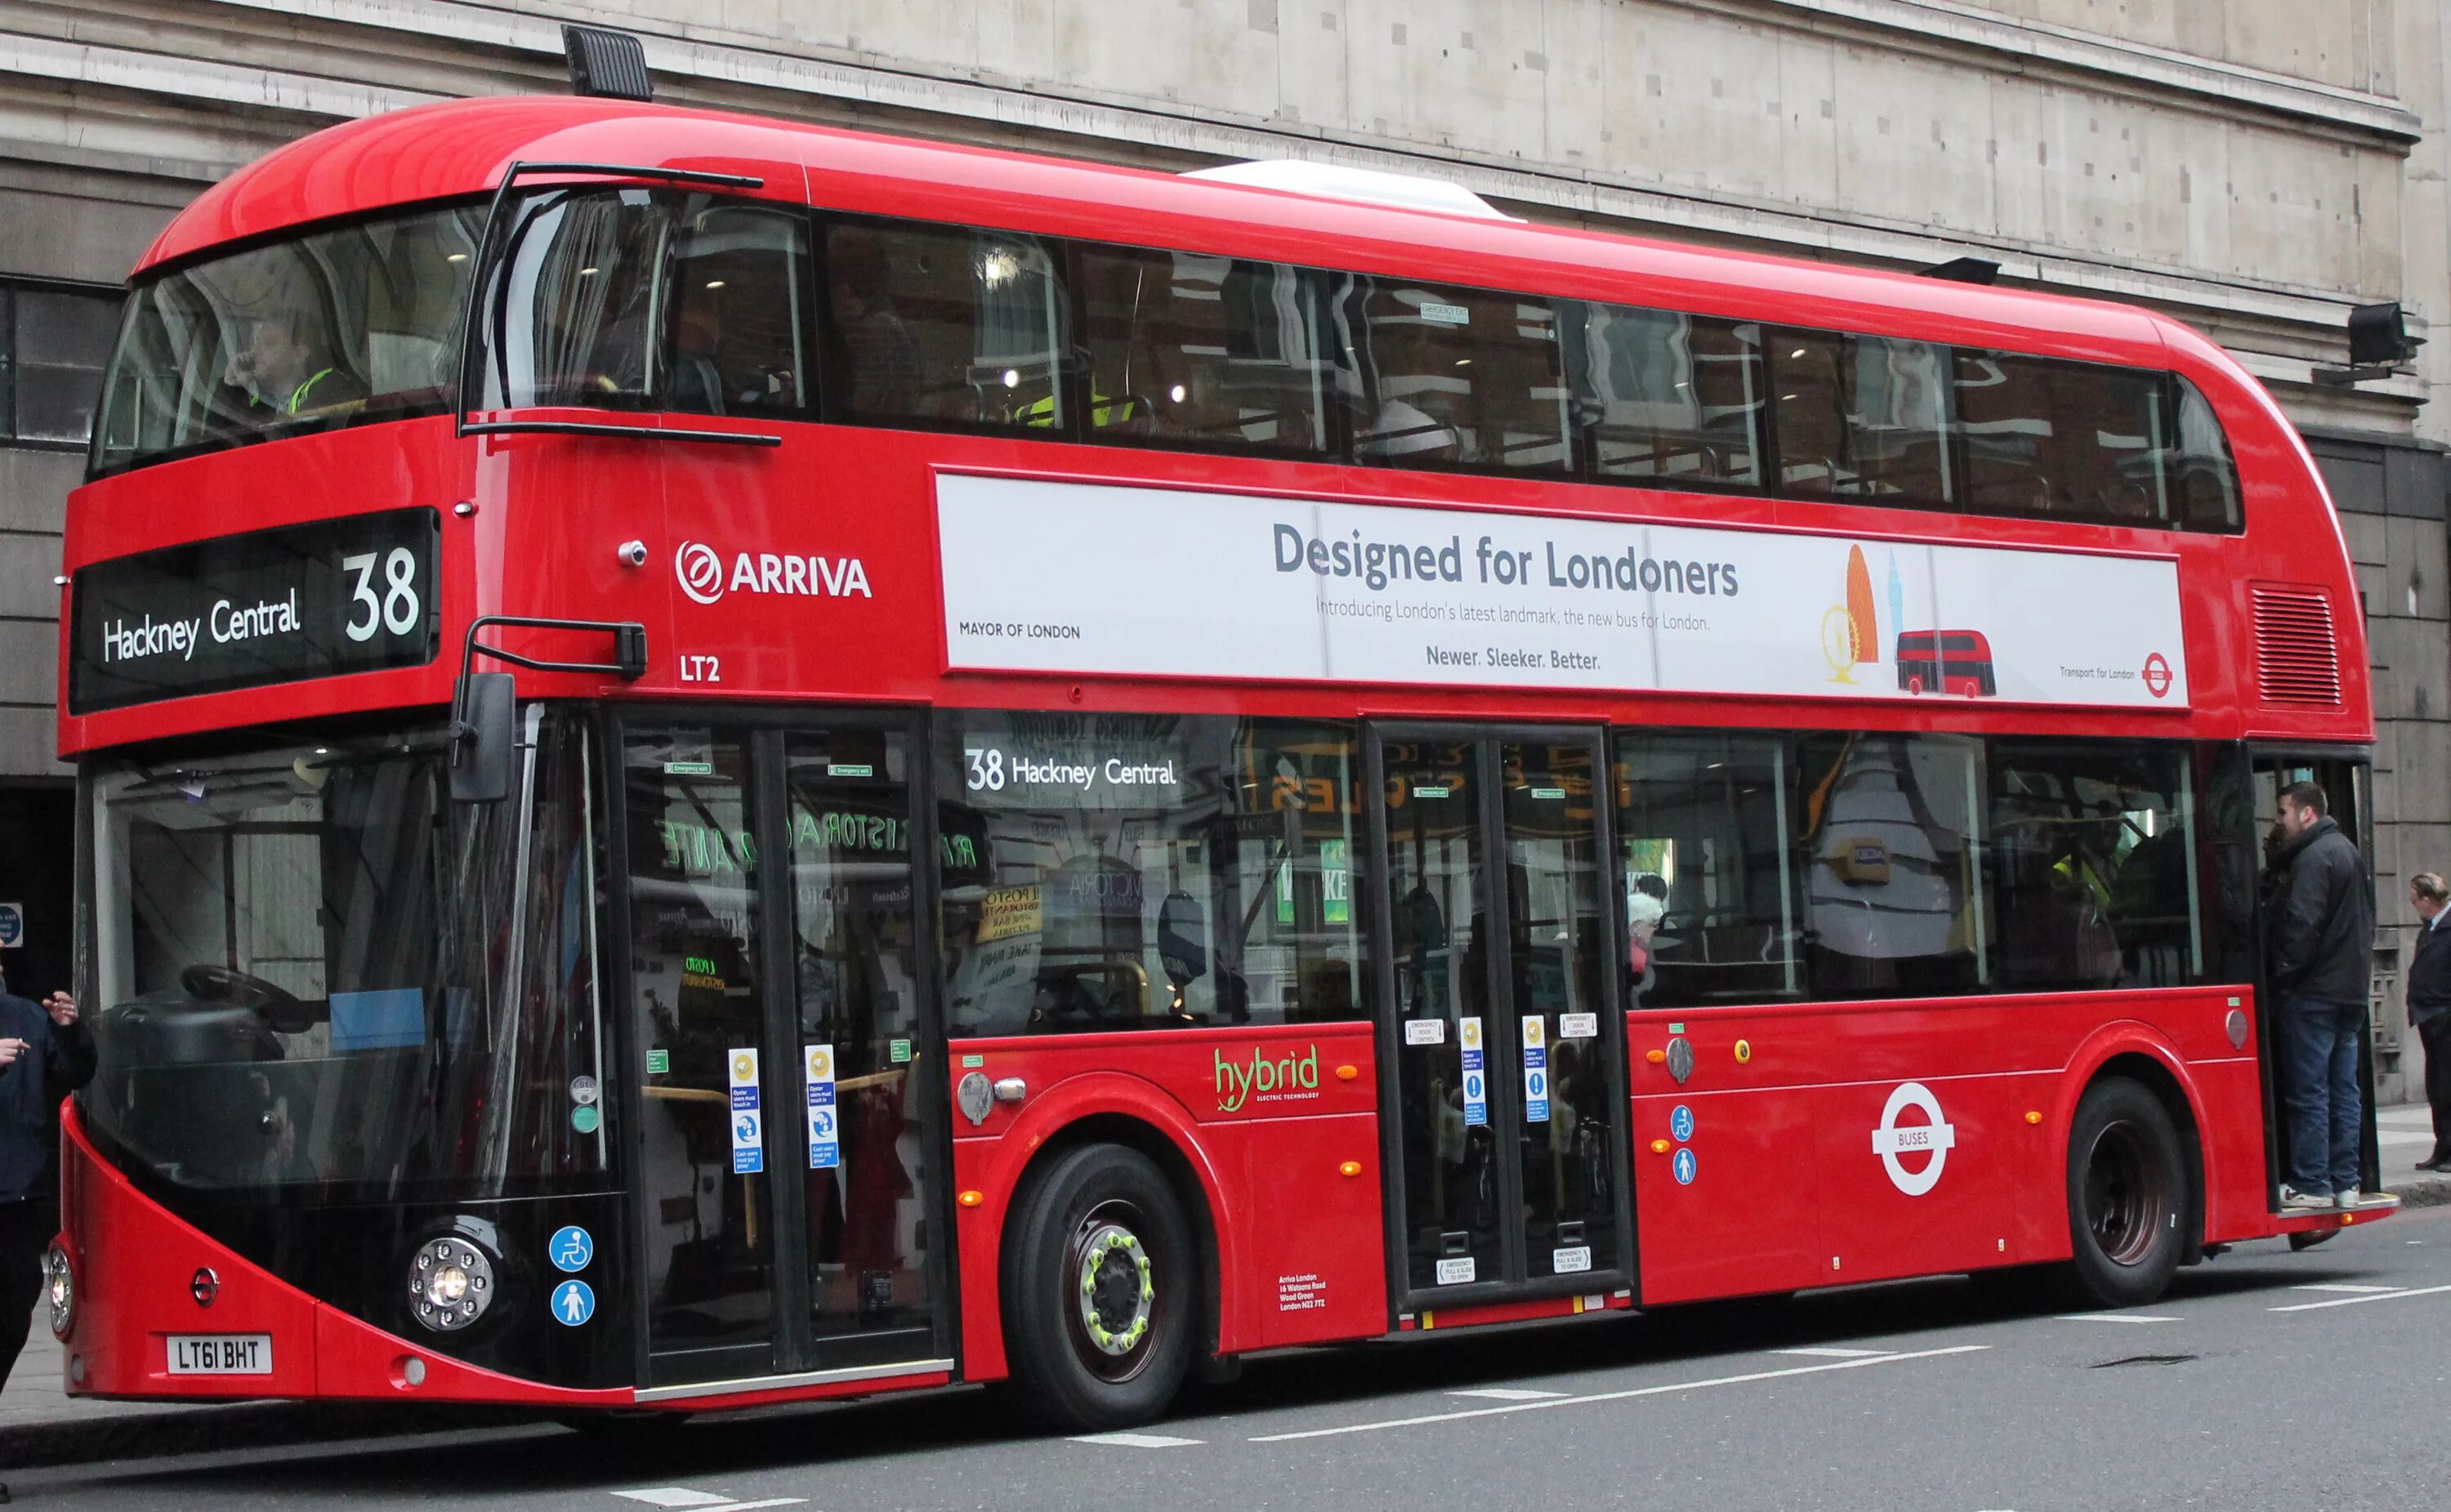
x,y
1330,180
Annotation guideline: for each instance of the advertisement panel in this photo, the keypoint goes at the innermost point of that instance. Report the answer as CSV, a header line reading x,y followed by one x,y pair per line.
x,y
1098,578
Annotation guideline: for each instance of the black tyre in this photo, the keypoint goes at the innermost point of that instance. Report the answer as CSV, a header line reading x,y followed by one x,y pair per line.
x,y
1101,1290
2127,1197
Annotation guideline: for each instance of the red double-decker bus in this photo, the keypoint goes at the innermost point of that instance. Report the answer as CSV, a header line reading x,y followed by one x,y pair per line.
x,y
725,762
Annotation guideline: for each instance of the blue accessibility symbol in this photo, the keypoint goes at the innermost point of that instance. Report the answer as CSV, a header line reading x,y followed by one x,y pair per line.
x,y
744,1130
821,1123
1680,1121
574,1303
572,1248
1683,1167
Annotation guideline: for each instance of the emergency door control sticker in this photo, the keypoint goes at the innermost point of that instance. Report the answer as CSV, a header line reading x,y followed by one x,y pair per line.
x,y
1455,1272
1927,1142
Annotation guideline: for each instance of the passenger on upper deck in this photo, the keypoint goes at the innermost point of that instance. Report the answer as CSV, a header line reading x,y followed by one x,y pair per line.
x,y
281,369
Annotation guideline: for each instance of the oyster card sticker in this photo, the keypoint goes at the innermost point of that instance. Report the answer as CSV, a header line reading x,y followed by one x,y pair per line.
x,y
825,1132
1093,578
747,1120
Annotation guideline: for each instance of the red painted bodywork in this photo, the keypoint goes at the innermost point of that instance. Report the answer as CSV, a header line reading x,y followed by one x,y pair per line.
x,y
1788,1191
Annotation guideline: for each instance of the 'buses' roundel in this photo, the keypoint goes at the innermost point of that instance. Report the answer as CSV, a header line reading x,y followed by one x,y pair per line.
x,y
1894,1140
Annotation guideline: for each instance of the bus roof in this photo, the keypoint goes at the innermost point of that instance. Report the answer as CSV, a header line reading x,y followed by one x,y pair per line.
x,y
462,148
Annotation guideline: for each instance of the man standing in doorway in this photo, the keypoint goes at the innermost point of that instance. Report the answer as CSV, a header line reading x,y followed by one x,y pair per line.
x,y
2323,954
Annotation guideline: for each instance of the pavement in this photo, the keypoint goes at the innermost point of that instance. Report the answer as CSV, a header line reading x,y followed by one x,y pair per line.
x,y
42,1425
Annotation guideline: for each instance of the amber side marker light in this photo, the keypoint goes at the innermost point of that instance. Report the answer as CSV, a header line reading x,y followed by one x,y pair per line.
x,y
1351,1168
971,1199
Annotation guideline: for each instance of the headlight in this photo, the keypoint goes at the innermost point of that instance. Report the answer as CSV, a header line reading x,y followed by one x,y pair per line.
x,y
59,1290
450,1284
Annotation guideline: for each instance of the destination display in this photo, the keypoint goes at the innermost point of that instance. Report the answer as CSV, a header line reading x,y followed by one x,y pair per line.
x,y
1093,578
312,601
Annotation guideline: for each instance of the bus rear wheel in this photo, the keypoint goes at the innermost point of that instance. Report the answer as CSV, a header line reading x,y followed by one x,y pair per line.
x,y
1100,1290
2126,1197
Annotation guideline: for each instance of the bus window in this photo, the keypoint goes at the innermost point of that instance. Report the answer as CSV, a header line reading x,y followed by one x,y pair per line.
x,y
1709,885
1441,377
1188,347
2093,868
2202,483
313,971
1889,829
2061,441
1667,397
735,314
1861,417
1126,872
943,324
322,330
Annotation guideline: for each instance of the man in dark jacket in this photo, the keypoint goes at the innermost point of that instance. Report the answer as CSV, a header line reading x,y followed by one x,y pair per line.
x,y
2323,956
2429,1004
45,1054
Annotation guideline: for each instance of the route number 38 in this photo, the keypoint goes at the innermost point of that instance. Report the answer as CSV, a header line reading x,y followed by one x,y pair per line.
x,y
397,610
986,768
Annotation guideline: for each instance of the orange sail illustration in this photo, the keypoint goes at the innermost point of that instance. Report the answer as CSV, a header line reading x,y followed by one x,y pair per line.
x,y
1859,607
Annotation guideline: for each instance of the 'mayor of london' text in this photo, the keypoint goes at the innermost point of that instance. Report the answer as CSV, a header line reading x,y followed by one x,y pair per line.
x,y
1377,563
225,622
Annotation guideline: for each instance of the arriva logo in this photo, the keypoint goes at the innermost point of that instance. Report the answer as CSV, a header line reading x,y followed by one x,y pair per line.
x,y
1237,1082
701,571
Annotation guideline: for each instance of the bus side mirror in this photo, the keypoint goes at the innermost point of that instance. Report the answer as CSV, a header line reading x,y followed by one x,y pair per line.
x,y
483,738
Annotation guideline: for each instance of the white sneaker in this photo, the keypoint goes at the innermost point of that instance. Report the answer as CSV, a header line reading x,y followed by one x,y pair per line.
x,y
2292,1200
2346,1198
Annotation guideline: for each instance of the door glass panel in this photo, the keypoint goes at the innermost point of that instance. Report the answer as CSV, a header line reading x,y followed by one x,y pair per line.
x,y
694,942
1445,1039
861,1146
1558,953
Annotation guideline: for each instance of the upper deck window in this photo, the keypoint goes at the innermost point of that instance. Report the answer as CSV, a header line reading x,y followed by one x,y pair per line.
x,y
1202,350
320,330
941,325
1438,375
640,299
1669,399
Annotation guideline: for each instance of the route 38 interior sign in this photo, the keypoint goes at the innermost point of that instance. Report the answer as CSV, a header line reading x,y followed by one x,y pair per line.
x,y
334,596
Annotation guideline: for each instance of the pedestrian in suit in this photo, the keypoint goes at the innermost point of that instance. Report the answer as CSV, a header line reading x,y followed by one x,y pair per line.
x,y
2429,1004
45,1054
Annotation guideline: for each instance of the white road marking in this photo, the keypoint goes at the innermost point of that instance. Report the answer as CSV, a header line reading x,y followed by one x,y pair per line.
x,y
2119,1317
1508,1394
1619,1396
2340,1286
681,1496
1137,1441
1833,1352
2351,1302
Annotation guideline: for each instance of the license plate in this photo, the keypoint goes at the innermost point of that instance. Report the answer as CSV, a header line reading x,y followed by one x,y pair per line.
x,y
220,1354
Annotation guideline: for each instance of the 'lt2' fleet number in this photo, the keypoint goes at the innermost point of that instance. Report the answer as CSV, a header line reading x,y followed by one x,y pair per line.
x,y
701,669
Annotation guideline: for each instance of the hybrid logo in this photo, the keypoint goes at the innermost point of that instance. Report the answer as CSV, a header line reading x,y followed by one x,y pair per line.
x,y
700,567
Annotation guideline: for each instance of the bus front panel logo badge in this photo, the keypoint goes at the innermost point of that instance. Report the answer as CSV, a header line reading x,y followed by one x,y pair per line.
x,y
1895,1142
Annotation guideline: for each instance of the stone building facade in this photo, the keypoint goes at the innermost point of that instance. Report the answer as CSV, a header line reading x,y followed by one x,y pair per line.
x,y
2253,167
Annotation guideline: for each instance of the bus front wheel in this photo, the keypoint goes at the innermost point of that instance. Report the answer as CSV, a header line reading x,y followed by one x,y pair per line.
x,y
2127,1196
1100,1290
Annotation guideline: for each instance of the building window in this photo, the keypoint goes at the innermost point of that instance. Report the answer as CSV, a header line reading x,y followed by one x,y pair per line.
x,y
54,342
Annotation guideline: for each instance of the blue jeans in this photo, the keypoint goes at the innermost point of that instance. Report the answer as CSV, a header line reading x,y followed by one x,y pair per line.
x,y
2319,1091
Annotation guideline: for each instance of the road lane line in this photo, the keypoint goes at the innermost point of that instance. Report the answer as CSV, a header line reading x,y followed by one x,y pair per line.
x,y
2118,1317
2341,1286
1508,1394
1619,1396
673,1495
1137,1441
1833,1352
2351,1302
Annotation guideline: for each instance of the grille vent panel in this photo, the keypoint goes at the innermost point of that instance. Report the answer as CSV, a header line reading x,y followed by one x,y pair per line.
x,y
2297,655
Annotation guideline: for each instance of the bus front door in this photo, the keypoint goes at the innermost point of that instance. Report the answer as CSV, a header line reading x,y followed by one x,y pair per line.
x,y
1501,1058
786,1161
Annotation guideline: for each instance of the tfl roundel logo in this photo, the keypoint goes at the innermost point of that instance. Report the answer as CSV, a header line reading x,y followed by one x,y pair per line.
x,y
701,571
2157,675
